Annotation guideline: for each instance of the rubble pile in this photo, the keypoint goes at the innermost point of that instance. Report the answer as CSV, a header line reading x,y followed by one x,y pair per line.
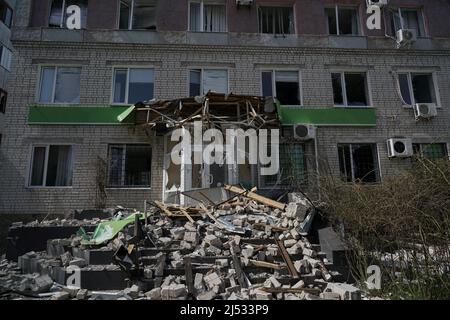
x,y
246,248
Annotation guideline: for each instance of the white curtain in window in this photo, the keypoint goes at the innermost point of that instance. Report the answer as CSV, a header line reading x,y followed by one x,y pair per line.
x,y
215,80
64,167
68,85
214,18
194,17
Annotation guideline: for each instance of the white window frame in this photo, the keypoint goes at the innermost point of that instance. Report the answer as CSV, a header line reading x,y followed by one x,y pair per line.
x,y
123,171
409,74
44,177
338,30
420,16
6,58
202,69
130,18
274,83
128,68
202,14
344,88
44,66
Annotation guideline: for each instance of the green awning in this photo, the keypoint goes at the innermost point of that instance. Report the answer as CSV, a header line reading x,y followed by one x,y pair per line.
x,y
81,115
328,117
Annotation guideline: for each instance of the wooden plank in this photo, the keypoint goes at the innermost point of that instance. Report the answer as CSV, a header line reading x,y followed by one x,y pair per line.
x,y
264,264
163,208
209,214
239,273
189,275
256,197
299,290
187,216
287,258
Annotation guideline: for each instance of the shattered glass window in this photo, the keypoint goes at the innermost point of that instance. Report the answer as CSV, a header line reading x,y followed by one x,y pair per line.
x,y
130,165
358,162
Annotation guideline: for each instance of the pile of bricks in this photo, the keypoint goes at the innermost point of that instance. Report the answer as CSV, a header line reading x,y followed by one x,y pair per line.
x,y
248,248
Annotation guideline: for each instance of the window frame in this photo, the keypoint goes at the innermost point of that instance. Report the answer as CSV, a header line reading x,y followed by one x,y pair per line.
x,y
338,31
56,66
344,88
123,169
377,161
5,94
8,59
281,5
63,16
202,15
44,175
419,147
420,16
274,83
127,89
202,69
7,7
130,19
409,74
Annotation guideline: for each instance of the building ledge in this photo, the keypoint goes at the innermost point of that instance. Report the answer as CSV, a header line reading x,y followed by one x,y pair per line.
x,y
80,115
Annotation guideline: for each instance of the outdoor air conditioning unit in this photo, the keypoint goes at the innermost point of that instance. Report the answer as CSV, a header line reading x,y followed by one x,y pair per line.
x,y
379,3
304,132
244,2
406,36
425,110
399,148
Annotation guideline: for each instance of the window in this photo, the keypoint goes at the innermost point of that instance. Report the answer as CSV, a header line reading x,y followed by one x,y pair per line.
x,y
342,21
358,162
292,166
431,151
51,166
130,165
407,19
276,20
133,85
58,13
6,57
6,13
201,81
284,85
417,88
137,14
207,17
60,85
3,99
350,89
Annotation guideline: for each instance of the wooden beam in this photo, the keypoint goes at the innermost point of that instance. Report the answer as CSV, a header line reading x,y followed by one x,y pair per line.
x,y
264,264
287,258
256,197
187,215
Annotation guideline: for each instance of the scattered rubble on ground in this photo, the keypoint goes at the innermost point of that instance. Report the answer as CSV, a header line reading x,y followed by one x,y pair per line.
x,y
249,247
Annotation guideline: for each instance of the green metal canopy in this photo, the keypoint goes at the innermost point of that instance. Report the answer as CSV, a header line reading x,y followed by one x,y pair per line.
x,y
81,115
328,117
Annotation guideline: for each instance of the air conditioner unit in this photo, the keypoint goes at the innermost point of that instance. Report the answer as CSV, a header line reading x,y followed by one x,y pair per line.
x,y
406,36
399,148
304,132
244,2
379,3
425,110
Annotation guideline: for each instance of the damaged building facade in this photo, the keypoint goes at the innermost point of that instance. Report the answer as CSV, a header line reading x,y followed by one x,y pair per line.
x,y
353,102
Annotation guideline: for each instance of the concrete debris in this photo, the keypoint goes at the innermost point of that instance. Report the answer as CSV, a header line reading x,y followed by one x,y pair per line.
x,y
228,252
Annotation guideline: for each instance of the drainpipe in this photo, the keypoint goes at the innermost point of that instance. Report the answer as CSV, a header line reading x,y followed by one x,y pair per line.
x,y
316,151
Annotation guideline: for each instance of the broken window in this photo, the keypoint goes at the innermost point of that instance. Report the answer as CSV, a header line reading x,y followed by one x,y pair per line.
x,y
201,81
58,13
6,14
431,151
342,21
6,57
285,86
292,167
207,17
358,162
276,20
350,89
137,14
402,18
51,166
417,88
3,99
133,85
130,165
60,85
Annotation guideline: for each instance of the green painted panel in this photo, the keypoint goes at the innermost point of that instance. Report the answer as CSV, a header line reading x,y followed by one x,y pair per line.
x,y
81,115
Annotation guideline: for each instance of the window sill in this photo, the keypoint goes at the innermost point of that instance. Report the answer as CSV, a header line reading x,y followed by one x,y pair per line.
x,y
49,188
55,104
128,188
352,107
